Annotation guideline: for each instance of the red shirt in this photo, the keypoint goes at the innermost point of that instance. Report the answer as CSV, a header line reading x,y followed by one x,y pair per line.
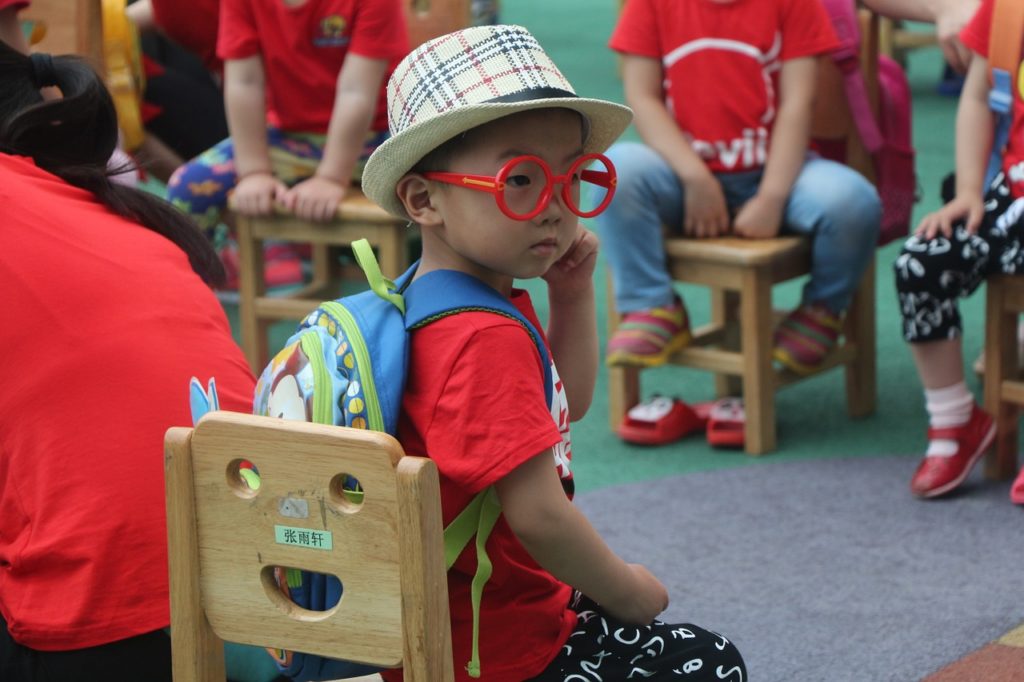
x,y
976,36
192,25
17,4
721,66
475,404
304,47
104,323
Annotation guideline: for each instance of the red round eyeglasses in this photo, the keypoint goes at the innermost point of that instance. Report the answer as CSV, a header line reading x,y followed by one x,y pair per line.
x,y
524,186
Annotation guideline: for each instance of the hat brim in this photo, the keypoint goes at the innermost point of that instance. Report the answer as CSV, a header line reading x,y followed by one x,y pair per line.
x,y
396,157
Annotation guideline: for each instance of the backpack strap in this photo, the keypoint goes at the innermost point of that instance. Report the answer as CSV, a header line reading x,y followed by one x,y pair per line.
x,y
1006,37
442,293
843,15
478,518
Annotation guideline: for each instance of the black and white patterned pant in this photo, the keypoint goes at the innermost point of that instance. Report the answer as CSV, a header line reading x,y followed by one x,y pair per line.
x,y
603,649
931,275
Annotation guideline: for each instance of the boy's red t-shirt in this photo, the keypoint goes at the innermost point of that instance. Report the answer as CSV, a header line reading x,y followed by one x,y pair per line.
x,y
475,404
721,66
976,36
104,323
304,47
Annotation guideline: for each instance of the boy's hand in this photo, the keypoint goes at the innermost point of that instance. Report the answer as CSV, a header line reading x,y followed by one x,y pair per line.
x,y
706,214
759,218
315,198
644,602
969,208
256,193
572,274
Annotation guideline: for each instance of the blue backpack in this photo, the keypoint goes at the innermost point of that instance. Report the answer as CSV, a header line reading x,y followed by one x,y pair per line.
x,y
346,365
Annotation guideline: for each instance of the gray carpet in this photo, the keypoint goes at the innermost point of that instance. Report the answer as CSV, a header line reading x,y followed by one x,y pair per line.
x,y
827,569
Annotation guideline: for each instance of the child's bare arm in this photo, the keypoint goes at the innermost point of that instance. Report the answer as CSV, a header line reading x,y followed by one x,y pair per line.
x,y
974,128
706,212
572,328
245,104
761,216
355,102
949,17
562,541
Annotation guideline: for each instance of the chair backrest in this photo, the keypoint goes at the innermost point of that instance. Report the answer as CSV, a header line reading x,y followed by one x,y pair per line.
x,y
428,19
225,538
72,27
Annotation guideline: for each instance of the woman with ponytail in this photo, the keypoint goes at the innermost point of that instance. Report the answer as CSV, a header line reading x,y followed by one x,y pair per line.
x,y
107,312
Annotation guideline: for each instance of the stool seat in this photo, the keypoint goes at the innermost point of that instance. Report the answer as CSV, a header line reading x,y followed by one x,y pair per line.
x,y
739,251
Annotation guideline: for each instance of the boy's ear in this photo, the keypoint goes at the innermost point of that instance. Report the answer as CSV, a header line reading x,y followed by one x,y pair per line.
x,y
413,191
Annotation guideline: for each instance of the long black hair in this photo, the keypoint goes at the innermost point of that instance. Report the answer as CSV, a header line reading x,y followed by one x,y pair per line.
x,y
74,136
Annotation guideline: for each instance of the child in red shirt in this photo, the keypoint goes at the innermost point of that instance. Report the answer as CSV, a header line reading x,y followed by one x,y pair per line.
x,y
314,72
490,146
951,253
723,93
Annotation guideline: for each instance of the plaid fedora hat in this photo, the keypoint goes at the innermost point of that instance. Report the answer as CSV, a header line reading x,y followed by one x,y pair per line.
x,y
467,78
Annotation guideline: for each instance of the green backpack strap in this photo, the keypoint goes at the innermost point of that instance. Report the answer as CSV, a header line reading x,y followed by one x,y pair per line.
x,y
379,284
478,518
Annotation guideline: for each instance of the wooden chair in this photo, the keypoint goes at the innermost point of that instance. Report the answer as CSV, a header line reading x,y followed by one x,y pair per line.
x,y
357,217
1004,385
224,538
737,344
74,27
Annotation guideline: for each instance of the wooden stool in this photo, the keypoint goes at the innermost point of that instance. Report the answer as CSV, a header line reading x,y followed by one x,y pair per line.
x,y
737,345
358,217
1004,387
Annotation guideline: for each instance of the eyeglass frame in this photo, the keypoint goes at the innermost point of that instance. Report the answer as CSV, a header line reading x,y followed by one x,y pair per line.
x,y
496,184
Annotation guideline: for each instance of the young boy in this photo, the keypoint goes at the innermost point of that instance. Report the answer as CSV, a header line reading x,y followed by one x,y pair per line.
x,y
722,91
952,251
481,121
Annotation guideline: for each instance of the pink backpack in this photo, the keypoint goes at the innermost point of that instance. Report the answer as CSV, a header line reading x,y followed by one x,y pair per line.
x,y
887,139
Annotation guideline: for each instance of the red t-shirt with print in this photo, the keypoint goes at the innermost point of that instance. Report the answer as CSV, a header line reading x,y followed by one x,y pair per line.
x,y
475,404
721,63
976,36
303,48
104,323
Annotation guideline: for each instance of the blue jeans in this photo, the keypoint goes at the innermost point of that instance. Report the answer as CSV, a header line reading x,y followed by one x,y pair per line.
x,y
831,203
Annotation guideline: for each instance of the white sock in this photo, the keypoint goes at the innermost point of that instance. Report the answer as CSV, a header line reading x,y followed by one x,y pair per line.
x,y
948,406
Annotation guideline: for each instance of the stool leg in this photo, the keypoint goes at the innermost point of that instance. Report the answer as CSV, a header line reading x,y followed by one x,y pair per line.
x,y
1001,363
758,374
623,382
251,286
725,313
861,391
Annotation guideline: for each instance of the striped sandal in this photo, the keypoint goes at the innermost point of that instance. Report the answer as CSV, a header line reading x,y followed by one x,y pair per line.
x,y
806,337
647,338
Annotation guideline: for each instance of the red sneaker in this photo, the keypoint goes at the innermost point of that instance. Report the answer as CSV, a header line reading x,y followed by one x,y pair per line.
x,y
938,475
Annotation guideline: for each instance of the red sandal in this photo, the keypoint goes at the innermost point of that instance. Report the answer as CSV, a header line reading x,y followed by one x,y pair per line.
x,y
662,420
726,424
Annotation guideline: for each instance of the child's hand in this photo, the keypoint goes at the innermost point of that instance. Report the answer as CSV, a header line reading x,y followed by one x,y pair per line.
x,y
315,198
644,602
759,218
572,274
256,193
706,212
969,208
